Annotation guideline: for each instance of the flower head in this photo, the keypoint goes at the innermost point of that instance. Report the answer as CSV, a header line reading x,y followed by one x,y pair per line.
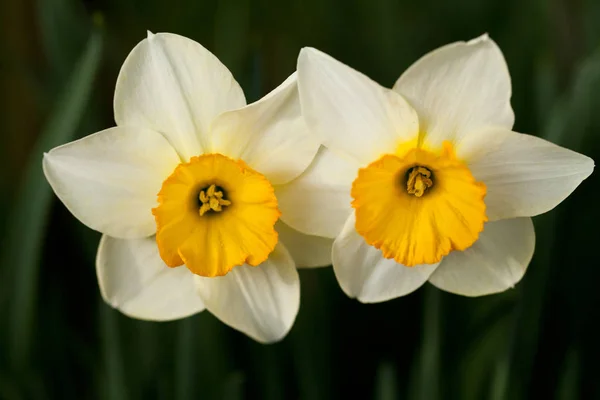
x,y
426,181
187,180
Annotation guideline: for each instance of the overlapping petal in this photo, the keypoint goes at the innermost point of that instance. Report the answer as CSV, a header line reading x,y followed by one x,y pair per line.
x,y
109,180
307,251
459,89
260,301
349,112
364,273
270,135
173,85
495,263
318,201
134,280
525,175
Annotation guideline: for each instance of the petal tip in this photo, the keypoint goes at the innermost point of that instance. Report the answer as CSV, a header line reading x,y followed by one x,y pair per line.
x,y
46,164
149,35
591,166
364,300
271,338
307,52
480,39
307,49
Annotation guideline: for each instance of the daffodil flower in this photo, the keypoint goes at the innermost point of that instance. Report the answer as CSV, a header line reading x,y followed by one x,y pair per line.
x,y
183,189
427,181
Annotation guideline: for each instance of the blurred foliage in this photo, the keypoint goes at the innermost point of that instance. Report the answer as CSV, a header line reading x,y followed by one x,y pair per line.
x,y
58,65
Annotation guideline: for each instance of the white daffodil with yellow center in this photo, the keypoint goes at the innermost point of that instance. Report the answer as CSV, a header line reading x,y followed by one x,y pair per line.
x,y
187,180
424,182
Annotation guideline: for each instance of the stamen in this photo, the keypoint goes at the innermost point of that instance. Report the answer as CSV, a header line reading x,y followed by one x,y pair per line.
x,y
419,180
205,207
203,197
211,190
212,199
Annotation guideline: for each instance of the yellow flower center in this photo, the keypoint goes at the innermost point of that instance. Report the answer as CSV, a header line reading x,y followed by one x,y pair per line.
x,y
215,213
419,206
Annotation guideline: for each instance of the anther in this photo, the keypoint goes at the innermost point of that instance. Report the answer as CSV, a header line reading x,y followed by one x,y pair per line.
x,y
212,200
419,180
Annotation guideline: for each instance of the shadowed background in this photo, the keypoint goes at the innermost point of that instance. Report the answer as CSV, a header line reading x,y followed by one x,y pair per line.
x,y
59,60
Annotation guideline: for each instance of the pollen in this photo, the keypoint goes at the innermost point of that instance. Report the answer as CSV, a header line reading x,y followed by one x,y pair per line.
x,y
419,180
212,199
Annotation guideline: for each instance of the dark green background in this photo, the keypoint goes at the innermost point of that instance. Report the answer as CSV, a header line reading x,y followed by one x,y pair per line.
x,y
59,60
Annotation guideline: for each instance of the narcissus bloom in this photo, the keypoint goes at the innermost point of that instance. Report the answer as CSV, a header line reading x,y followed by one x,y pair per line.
x,y
427,181
187,180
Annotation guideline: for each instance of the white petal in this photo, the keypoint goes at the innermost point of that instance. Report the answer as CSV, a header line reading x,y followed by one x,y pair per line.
x,y
495,263
109,180
349,112
175,86
134,280
318,201
458,89
270,135
524,175
260,301
306,250
363,273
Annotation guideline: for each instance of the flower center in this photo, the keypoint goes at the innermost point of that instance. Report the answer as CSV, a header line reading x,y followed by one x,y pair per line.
x,y
215,213
419,180
212,199
400,211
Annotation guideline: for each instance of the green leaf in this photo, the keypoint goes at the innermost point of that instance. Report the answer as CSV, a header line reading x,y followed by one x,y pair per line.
x,y
486,356
28,217
499,386
62,33
311,335
568,386
185,361
114,375
386,382
425,374
572,117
